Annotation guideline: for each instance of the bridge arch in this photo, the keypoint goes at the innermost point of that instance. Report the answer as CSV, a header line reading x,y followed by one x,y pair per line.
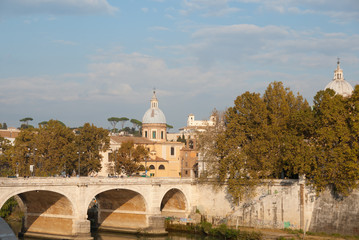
x,y
174,203
120,208
45,211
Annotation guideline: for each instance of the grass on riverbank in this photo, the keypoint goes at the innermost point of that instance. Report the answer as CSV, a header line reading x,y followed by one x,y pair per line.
x,y
220,232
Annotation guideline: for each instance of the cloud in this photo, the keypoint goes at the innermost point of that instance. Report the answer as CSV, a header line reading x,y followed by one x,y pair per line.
x,y
339,11
158,28
208,8
269,45
56,7
63,42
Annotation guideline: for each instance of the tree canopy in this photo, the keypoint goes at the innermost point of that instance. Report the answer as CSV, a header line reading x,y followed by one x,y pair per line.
x,y
113,121
54,149
128,157
278,135
123,120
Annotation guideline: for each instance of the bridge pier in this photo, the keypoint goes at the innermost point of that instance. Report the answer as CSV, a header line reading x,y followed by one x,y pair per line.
x,y
81,229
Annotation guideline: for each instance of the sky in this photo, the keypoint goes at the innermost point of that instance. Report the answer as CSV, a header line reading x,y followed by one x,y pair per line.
x,y
88,60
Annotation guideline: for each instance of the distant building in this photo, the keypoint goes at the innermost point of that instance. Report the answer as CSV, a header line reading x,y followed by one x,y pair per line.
x,y
9,134
164,156
192,128
189,155
338,84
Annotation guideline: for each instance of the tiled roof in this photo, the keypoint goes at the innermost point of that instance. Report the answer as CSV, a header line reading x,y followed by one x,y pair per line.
x,y
135,140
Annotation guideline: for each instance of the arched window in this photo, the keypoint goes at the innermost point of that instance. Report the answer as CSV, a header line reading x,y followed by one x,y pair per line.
x,y
161,167
190,144
145,134
154,135
161,134
152,167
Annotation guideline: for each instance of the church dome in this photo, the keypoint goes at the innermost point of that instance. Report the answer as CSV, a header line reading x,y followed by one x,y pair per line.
x,y
339,85
154,114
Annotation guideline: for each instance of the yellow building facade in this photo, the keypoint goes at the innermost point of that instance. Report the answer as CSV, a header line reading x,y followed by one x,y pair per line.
x,y
164,156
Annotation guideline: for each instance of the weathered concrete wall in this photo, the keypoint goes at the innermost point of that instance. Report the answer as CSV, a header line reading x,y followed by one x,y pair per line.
x,y
336,215
282,204
275,205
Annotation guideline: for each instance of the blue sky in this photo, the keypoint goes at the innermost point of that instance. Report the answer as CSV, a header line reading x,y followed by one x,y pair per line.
x,y
88,60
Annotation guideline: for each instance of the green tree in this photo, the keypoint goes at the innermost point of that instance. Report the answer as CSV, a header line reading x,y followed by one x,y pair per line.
x,y
262,139
136,123
25,122
53,150
123,120
113,121
4,126
128,157
169,127
23,147
336,142
5,157
91,140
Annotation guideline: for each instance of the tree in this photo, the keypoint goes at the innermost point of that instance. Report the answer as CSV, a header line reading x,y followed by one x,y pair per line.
x,y
113,121
336,143
207,146
91,140
26,120
54,149
4,126
136,123
123,120
43,123
181,139
169,127
128,157
5,157
262,139
20,161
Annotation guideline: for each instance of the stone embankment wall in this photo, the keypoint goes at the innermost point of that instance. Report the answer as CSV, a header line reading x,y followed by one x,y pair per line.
x,y
282,204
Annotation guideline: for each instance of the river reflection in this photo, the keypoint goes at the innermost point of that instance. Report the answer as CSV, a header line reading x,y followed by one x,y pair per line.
x,y
170,236
16,226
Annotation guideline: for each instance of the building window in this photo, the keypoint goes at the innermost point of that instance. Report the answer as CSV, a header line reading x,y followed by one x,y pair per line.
x,y
172,151
186,164
161,167
186,172
190,144
152,174
161,134
145,134
110,157
152,167
154,135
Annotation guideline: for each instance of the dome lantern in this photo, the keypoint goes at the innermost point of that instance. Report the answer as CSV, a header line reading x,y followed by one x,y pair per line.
x,y
338,84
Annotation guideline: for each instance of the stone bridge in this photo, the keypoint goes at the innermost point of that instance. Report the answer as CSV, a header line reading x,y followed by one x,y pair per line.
x,y
59,207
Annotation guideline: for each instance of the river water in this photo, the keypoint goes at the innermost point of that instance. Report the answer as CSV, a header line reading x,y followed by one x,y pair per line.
x,y
16,226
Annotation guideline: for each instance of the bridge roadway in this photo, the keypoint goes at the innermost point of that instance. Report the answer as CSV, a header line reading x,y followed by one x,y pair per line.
x,y
59,207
